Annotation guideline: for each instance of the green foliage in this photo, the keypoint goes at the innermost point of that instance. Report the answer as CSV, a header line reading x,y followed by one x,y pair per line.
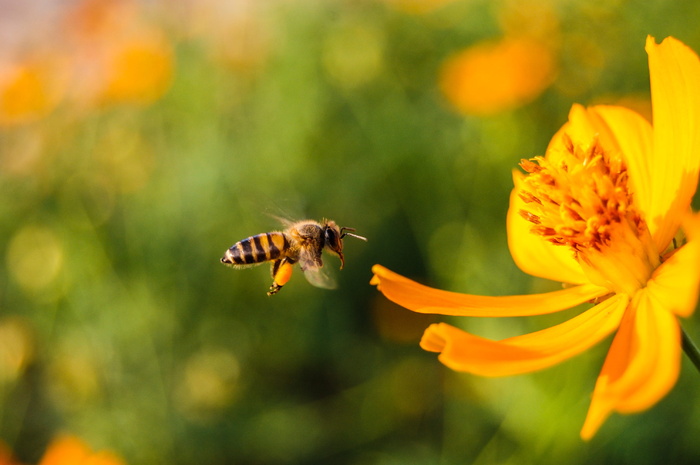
x,y
138,340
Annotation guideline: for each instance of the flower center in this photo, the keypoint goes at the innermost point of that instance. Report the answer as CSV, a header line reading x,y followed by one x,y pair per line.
x,y
578,197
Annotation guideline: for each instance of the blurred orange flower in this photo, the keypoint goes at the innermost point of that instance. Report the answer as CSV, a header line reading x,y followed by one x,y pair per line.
x,y
93,52
69,450
139,70
28,91
490,77
417,7
602,211
6,457
66,450
118,56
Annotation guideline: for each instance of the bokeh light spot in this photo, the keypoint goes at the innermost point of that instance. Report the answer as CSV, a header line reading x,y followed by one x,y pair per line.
x,y
75,374
208,383
35,257
353,54
16,348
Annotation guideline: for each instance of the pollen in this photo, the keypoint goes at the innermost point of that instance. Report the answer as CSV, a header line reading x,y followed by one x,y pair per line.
x,y
578,196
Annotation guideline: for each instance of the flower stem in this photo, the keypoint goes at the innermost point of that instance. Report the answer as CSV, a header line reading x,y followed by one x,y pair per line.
x,y
690,349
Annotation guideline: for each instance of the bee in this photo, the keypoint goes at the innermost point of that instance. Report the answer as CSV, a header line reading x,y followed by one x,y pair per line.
x,y
302,242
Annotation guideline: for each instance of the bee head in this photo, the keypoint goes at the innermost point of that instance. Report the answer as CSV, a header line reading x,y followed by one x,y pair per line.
x,y
334,235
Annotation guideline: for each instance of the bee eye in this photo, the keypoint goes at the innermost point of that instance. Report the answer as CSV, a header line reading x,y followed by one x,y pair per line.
x,y
331,237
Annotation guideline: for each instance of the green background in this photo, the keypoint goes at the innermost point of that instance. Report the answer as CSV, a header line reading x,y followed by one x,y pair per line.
x,y
144,344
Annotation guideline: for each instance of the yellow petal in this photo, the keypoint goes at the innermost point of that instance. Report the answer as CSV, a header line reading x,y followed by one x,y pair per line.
x,y
675,92
585,127
630,133
532,253
579,128
642,364
617,129
424,299
582,128
462,351
674,285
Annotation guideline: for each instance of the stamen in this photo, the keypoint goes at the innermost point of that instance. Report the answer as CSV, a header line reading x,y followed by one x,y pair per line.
x,y
580,198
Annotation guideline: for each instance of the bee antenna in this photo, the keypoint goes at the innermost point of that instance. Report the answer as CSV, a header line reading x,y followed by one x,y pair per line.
x,y
343,233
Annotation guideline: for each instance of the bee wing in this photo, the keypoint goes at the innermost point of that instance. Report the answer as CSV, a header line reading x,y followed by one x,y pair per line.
x,y
320,278
283,220
312,265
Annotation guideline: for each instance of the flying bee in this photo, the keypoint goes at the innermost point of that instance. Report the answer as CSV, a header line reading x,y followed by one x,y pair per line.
x,y
302,242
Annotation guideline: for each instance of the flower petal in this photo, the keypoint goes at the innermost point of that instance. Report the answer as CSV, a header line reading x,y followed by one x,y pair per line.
x,y
424,299
674,285
675,92
533,254
582,127
632,135
642,365
462,351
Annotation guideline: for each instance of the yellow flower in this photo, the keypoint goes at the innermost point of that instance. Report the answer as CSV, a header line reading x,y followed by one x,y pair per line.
x,y
602,211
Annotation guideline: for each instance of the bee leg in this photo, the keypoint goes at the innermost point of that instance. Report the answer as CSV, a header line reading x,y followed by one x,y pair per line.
x,y
281,273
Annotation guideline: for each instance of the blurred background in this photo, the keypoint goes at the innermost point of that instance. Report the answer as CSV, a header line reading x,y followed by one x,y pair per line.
x,y
141,139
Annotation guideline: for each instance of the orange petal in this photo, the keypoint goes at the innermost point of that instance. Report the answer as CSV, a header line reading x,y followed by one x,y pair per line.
x,y
462,351
675,93
65,449
642,364
674,285
424,299
69,450
533,254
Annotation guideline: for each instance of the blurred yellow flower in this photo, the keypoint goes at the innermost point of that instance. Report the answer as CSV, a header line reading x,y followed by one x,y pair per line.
x,y
69,450
601,211
490,77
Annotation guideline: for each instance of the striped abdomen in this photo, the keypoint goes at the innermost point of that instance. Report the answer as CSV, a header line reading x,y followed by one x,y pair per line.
x,y
257,249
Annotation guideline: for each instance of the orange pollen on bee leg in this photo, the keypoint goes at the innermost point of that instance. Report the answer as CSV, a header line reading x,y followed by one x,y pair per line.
x,y
284,274
578,196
